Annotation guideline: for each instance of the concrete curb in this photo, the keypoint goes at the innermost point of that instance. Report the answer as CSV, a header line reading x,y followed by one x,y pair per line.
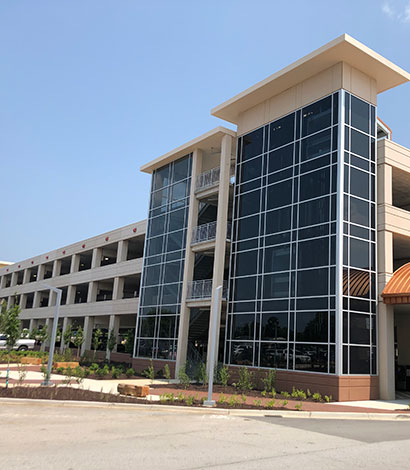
x,y
209,411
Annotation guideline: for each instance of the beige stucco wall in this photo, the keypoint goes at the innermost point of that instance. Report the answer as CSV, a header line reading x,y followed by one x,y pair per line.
x,y
334,78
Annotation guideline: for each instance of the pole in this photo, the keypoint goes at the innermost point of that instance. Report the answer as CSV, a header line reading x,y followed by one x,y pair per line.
x,y
53,335
214,326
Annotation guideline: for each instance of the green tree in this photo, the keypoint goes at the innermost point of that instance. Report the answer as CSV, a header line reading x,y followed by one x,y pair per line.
x,y
68,333
112,342
79,340
97,340
10,326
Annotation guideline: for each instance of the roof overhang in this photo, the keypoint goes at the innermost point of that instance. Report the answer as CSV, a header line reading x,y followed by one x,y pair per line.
x,y
342,49
205,141
397,290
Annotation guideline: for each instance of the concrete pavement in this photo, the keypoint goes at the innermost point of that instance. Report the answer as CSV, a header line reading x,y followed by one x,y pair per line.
x,y
43,436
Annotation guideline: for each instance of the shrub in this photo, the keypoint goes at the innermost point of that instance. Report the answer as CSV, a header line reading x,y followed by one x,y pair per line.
x,y
22,373
285,394
317,396
233,401
115,373
299,406
189,400
183,377
257,402
301,394
222,399
163,398
180,397
273,393
129,372
264,393
294,393
270,380
245,382
167,372
224,376
202,375
270,404
94,367
284,403
60,370
328,399
149,373
243,398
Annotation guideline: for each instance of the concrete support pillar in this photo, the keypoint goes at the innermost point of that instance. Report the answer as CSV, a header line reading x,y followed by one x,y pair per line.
x,y
385,184
70,295
221,237
23,301
114,324
118,288
52,299
188,266
386,352
13,279
33,324
40,272
122,251
75,263
92,291
88,334
36,299
26,276
67,322
96,259
56,267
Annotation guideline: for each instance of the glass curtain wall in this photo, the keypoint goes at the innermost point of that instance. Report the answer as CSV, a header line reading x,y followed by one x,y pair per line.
x,y
164,254
359,238
281,311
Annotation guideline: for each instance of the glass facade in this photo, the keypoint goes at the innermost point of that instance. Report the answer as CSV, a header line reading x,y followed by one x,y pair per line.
x,y
164,254
281,311
289,291
359,237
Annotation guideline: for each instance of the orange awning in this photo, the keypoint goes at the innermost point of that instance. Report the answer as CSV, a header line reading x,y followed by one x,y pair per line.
x,y
397,290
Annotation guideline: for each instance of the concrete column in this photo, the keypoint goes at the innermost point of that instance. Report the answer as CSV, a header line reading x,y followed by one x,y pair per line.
x,y
96,259
36,299
67,322
75,263
56,267
122,251
88,334
26,276
2,282
384,184
386,352
188,266
23,301
52,299
13,279
40,272
221,235
70,295
118,288
33,324
114,324
92,291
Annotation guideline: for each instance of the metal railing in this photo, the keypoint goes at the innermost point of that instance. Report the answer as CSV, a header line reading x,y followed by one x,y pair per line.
x,y
203,289
211,178
207,232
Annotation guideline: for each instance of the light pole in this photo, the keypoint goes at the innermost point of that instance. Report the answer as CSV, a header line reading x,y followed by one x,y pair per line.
x,y
214,326
59,292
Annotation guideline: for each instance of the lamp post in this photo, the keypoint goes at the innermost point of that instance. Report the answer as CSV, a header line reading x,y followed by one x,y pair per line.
x,y
214,326
59,292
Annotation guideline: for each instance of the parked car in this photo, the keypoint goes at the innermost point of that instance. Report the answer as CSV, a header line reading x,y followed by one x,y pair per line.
x,y
22,344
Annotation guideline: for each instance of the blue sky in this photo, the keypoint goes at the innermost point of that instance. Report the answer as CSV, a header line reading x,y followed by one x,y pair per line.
x,y
92,89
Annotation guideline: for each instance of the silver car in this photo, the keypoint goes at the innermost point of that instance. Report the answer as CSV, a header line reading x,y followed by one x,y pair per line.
x,y
22,344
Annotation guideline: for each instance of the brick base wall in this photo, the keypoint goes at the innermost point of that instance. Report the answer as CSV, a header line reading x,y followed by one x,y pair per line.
x,y
342,388
140,365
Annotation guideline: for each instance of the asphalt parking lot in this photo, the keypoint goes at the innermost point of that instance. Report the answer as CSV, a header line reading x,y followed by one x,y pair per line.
x,y
50,436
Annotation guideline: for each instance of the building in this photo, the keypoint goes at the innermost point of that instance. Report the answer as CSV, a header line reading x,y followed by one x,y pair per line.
x,y
99,278
301,215
5,263
292,238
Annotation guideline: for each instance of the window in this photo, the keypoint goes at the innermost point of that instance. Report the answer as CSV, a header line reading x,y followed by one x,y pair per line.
x,y
281,132
281,158
279,194
252,144
277,258
360,114
317,116
315,184
316,145
313,253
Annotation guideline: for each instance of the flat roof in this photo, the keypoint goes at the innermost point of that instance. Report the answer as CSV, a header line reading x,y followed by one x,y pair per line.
x,y
342,49
209,139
